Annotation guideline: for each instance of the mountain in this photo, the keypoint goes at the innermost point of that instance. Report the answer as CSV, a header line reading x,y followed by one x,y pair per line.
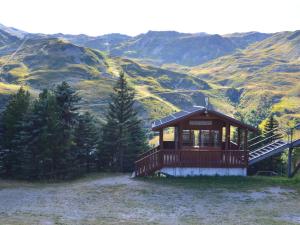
x,y
164,47
268,72
13,31
7,41
159,47
44,62
100,42
185,49
243,40
239,72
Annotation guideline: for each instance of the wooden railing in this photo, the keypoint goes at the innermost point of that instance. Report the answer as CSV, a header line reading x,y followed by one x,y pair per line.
x,y
148,164
191,158
155,149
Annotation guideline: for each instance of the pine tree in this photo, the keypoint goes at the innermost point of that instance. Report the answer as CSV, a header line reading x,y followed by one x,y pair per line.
x,y
67,100
86,139
38,137
270,130
122,136
270,134
10,122
138,143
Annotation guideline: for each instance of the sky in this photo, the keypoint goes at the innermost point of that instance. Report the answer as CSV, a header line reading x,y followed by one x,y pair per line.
x,y
132,17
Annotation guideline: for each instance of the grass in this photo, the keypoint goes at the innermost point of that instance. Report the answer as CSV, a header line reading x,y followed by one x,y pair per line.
x,y
231,183
8,88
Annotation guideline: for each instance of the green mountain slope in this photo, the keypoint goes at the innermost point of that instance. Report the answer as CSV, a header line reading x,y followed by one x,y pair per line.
x,y
268,72
260,72
42,63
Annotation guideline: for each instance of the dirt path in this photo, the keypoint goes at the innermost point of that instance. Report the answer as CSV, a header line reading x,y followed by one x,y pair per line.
x,y
121,200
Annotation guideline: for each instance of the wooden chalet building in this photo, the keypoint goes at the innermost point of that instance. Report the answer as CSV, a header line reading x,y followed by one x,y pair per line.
x,y
201,145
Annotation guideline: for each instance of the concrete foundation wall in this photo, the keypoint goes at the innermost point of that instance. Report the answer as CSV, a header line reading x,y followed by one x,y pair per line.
x,y
183,172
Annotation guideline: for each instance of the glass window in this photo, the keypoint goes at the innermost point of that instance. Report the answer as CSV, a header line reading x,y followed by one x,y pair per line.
x,y
215,135
186,137
204,138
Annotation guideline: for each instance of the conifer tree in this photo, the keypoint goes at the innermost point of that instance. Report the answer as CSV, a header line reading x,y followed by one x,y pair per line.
x,y
270,130
38,137
86,139
10,122
270,134
67,100
122,137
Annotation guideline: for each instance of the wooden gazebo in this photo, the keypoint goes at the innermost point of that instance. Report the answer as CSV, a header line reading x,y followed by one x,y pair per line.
x,y
201,145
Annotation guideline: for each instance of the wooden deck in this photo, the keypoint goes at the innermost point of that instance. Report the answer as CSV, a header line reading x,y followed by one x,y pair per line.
x,y
156,159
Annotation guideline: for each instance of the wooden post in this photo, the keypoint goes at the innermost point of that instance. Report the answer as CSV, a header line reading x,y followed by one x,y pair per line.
x,y
227,137
220,137
176,137
246,140
239,138
179,136
161,139
290,162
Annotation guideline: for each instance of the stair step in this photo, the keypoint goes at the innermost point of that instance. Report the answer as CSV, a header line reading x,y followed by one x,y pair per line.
x,y
268,149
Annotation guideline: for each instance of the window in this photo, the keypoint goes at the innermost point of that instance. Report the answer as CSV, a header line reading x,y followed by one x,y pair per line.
x,y
187,137
215,136
209,138
204,138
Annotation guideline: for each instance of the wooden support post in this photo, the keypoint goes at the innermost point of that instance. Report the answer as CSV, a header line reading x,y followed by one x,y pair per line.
x,y
176,137
220,137
246,140
239,138
179,136
290,162
161,139
227,137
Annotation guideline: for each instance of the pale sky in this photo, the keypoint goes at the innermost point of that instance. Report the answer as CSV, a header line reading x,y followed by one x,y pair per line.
x,y
96,17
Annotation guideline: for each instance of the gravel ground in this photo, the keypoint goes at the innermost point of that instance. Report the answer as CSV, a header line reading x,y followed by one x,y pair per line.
x,y
120,200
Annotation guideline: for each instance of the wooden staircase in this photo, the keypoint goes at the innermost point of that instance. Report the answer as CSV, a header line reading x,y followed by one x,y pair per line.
x,y
148,163
268,150
274,147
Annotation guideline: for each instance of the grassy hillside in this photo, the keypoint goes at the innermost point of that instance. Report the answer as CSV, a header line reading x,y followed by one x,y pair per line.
x,y
44,62
267,73
262,77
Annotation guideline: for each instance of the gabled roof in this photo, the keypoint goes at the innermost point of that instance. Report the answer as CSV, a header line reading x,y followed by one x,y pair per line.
x,y
173,118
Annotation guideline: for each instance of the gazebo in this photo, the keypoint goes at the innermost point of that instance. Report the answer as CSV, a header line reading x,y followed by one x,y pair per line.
x,y
201,145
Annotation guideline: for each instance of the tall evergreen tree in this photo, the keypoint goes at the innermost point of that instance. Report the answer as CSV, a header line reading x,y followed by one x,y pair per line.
x,y
86,139
270,134
270,130
10,122
123,137
38,138
67,100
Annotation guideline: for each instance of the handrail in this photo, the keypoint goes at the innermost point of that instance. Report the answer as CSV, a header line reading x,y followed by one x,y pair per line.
x,y
148,152
153,153
281,131
262,135
263,140
192,158
265,146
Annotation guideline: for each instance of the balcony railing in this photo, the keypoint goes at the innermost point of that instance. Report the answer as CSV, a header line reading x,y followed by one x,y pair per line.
x,y
158,159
